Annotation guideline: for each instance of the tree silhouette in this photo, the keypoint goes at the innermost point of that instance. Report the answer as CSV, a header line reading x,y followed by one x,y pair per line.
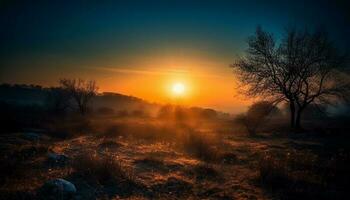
x,y
81,91
303,68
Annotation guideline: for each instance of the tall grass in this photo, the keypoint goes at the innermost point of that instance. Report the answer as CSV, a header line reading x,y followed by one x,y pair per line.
x,y
302,175
204,147
104,169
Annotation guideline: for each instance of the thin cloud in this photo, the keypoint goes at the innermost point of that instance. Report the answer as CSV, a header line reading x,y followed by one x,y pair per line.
x,y
152,71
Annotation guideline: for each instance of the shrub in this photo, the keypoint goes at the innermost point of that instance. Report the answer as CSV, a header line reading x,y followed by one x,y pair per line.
x,y
256,115
200,146
273,173
102,169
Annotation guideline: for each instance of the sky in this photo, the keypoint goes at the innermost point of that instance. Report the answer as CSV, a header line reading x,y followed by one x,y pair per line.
x,y
142,48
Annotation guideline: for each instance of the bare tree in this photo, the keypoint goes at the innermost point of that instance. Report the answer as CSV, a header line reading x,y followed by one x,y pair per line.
x,y
302,68
81,91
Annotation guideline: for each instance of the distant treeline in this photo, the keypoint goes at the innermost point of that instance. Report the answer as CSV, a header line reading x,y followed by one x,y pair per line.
x,y
107,103
36,95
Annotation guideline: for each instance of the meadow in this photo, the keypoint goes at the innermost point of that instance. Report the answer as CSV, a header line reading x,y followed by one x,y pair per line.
x,y
177,153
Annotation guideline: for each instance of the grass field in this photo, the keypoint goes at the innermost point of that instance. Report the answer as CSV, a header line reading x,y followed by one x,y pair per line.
x,y
132,158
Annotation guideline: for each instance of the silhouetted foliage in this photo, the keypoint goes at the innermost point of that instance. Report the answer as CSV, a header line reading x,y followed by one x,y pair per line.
x,y
303,68
256,115
81,91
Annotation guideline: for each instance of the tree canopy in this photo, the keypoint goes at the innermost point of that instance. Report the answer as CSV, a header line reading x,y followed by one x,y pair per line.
x,y
302,68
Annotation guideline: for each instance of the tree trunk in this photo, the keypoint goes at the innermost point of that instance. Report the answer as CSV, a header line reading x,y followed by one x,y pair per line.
x,y
298,119
292,114
82,110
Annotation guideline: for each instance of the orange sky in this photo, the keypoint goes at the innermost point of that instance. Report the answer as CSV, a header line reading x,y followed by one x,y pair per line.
x,y
201,89
209,81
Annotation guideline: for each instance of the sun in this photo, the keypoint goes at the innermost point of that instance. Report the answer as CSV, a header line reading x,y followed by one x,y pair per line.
x,y
178,89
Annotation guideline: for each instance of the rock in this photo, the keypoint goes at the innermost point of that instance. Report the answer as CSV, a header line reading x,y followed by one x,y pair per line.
x,y
57,189
55,159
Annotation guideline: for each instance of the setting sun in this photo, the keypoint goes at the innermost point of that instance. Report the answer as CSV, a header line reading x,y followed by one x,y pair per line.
x,y
178,88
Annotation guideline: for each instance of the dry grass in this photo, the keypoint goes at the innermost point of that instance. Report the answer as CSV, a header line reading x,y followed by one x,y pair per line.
x,y
103,169
205,171
108,145
175,161
273,172
113,131
204,147
139,130
151,163
13,163
302,175
69,128
150,160
176,187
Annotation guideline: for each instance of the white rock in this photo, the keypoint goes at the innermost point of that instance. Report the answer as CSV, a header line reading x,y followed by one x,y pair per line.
x,y
58,189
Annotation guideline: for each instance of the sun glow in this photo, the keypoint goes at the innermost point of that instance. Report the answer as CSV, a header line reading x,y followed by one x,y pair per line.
x,y
178,89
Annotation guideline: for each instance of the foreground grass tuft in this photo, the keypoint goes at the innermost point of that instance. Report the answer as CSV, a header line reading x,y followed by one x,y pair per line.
x,y
200,146
104,169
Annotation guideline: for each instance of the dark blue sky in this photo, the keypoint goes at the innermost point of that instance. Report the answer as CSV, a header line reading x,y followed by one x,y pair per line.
x,y
85,29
